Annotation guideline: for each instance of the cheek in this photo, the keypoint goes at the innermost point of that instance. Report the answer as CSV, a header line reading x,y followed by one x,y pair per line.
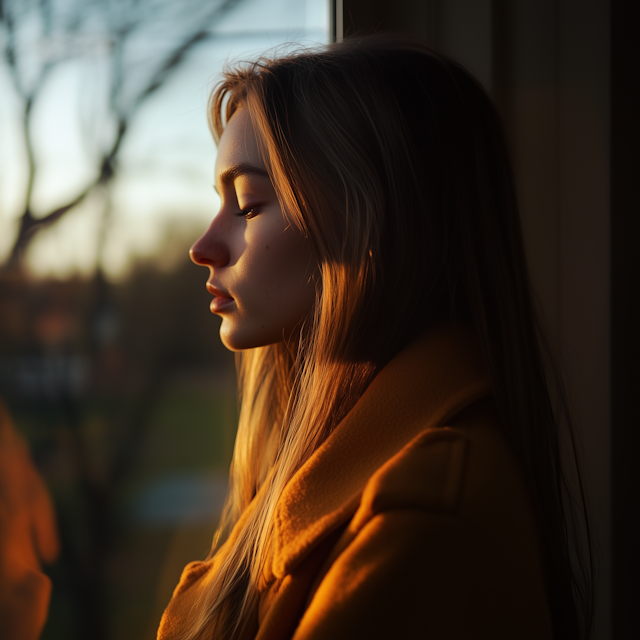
x,y
293,260
283,269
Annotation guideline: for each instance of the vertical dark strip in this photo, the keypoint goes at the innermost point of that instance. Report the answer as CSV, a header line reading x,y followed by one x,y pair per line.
x,y
625,315
432,28
501,62
333,36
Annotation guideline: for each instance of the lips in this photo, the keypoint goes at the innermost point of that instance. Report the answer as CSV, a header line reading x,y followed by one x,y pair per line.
x,y
221,300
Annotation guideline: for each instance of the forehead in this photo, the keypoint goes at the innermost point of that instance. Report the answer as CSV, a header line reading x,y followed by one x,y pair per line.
x,y
238,144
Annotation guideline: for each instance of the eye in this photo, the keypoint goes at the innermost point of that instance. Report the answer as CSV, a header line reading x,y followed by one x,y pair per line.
x,y
248,213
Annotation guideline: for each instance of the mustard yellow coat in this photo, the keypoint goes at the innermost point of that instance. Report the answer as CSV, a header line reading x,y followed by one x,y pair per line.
x,y
411,521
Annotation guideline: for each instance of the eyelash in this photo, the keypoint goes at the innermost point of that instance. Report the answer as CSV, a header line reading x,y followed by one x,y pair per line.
x,y
248,213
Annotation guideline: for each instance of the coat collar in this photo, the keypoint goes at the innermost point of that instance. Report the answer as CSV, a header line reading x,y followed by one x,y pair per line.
x,y
425,385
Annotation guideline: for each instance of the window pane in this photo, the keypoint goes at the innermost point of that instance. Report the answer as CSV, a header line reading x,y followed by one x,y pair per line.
x,y
110,362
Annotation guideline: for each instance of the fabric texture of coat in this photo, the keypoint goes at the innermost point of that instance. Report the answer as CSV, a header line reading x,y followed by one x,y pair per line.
x,y
412,520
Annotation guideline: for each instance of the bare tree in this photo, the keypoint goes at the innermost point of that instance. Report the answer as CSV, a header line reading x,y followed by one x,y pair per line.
x,y
39,35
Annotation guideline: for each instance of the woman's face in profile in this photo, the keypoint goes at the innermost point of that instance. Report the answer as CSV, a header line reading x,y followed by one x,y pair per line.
x,y
261,268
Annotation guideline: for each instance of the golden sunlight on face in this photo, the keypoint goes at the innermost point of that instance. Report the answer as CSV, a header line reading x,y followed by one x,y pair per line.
x,y
261,268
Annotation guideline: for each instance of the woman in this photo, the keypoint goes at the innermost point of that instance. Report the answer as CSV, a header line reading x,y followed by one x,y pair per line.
x,y
397,468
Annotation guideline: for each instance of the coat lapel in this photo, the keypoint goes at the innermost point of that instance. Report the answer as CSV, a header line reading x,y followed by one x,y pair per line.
x,y
425,385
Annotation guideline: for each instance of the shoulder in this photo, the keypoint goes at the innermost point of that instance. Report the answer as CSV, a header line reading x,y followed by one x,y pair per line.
x,y
465,470
445,538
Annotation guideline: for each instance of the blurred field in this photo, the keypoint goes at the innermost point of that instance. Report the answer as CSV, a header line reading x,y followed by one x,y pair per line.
x,y
189,436
131,422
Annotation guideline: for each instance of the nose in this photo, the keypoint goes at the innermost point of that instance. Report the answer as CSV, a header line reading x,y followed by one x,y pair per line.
x,y
209,251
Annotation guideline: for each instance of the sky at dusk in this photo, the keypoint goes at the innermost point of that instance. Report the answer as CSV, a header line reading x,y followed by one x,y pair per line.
x,y
163,188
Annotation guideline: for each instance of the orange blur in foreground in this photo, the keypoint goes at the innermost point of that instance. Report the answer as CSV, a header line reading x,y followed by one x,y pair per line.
x,y
28,535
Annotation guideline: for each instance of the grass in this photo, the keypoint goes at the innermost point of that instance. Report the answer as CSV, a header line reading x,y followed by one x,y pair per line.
x,y
189,431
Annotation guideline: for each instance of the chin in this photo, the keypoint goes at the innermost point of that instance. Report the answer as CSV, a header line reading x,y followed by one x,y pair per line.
x,y
237,340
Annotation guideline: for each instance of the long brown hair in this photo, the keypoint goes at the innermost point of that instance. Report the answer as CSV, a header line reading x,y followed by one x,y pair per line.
x,y
391,159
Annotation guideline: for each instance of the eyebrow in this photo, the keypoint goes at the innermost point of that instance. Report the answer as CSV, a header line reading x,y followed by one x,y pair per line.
x,y
228,176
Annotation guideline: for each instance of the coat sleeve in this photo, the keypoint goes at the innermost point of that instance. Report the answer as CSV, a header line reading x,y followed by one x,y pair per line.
x,y
410,573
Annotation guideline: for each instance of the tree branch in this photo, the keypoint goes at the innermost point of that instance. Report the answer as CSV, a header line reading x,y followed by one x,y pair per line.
x,y
176,58
29,225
